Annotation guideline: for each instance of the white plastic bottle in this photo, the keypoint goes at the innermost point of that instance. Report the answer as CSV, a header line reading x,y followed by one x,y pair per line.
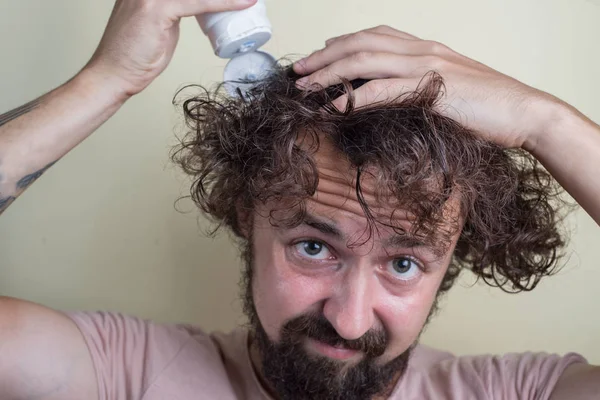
x,y
238,35
233,33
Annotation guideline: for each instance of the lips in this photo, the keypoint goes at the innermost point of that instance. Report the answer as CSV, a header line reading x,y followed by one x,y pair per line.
x,y
338,352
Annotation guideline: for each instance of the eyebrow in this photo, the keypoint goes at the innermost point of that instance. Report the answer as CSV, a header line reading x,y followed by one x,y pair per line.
x,y
325,227
329,228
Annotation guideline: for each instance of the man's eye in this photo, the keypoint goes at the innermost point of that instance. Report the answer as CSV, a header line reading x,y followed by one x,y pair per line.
x,y
313,249
404,268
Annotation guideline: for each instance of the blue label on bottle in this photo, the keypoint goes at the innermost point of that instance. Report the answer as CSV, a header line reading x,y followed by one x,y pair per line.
x,y
249,45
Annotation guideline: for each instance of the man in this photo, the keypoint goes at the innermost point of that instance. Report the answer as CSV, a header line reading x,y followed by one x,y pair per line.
x,y
348,240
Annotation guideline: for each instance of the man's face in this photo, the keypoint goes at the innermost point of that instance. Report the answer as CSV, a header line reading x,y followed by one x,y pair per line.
x,y
336,310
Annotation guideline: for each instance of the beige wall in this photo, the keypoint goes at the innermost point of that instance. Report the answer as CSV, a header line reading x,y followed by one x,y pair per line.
x,y
100,231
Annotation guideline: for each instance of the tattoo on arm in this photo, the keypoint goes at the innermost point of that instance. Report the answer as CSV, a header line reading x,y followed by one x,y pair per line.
x,y
27,180
5,202
22,184
17,112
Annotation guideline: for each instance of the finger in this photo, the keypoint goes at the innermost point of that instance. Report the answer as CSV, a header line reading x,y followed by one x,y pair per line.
x,y
436,48
382,29
189,8
379,91
334,39
371,42
388,30
367,65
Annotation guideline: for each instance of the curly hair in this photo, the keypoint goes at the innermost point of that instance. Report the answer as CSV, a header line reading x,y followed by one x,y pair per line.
x,y
242,151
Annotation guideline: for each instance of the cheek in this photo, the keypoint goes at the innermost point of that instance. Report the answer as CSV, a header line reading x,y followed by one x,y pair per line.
x,y
280,293
405,316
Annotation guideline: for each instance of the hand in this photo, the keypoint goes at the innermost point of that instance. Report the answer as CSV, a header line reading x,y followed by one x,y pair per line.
x,y
496,106
141,35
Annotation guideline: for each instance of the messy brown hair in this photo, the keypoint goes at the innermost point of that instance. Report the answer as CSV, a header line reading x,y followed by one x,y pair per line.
x,y
243,151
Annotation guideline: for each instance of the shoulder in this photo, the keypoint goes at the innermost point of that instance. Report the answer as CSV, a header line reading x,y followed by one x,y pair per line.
x,y
524,375
424,357
112,334
152,360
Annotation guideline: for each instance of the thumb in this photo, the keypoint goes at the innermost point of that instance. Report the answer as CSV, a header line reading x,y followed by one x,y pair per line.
x,y
189,8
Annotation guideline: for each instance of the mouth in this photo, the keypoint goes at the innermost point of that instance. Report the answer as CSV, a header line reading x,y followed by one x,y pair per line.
x,y
335,352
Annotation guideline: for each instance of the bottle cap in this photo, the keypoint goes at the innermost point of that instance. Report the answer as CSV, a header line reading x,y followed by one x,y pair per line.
x,y
243,71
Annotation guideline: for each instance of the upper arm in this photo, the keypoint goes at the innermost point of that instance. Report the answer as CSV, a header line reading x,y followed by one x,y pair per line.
x,y
43,354
578,382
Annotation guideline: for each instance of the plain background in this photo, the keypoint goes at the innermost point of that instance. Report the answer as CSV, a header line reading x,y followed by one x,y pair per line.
x,y
100,229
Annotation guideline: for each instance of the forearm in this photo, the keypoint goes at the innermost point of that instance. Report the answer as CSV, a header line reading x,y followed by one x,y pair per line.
x,y
36,135
569,148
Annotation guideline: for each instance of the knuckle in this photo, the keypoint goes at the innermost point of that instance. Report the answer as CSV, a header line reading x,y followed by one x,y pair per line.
x,y
360,37
382,28
437,48
361,57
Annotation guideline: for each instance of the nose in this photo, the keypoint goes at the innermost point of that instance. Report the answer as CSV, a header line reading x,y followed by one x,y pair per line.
x,y
350,307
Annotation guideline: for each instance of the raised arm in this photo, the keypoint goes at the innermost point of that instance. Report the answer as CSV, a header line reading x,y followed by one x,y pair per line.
x,y
569,148
496,106
42,353
137,46
33,137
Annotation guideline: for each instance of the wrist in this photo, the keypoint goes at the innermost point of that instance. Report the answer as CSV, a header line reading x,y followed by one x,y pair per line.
x,y
108,88
552,116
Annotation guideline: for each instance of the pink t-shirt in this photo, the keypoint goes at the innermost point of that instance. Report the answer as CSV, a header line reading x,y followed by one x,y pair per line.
x,y
137,359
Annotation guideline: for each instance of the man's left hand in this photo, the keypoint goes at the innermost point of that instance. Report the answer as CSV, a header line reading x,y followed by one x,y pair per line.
x,y
494,105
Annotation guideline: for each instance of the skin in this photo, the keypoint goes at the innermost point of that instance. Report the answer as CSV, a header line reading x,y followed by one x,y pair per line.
x,y
137,45
43,354
355,287
498,107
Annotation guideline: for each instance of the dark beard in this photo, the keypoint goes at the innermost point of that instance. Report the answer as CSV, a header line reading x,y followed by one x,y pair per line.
x,y
294,374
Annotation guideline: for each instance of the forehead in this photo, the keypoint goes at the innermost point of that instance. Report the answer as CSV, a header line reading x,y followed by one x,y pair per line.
x,y
337,186
340,200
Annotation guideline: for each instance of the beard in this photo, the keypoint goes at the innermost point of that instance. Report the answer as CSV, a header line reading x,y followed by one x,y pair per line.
x,y
294,374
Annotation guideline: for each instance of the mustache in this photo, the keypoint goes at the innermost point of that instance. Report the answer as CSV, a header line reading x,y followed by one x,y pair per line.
x,y
315,326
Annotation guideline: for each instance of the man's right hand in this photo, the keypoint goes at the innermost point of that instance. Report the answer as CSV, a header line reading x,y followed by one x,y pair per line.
x,y
137,46
43,352
141,36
